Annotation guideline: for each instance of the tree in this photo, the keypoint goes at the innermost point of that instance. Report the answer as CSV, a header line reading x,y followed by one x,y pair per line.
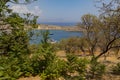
x,y
91,31
4,7
14,42
103,32
13,31
111,26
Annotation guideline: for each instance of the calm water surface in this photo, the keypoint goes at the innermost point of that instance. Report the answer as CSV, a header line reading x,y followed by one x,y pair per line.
x,y
55,34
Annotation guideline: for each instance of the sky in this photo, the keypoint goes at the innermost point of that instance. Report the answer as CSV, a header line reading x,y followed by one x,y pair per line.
x,y
58,10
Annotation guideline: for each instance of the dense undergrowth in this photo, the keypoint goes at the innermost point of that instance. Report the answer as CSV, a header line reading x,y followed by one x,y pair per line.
x,y
42,61
19,59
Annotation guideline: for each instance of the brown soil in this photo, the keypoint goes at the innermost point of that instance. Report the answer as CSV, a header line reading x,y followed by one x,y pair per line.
x,y
30,78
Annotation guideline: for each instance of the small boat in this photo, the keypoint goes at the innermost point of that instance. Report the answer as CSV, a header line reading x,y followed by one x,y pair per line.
x,y
51,34
52,41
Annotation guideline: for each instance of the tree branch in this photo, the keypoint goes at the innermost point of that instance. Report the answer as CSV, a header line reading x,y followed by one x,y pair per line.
x,y
106,49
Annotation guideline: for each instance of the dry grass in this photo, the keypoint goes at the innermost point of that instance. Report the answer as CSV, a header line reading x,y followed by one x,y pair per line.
x,y
30,78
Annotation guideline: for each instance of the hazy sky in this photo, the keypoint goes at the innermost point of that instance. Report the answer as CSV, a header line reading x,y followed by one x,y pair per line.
x,y
58,10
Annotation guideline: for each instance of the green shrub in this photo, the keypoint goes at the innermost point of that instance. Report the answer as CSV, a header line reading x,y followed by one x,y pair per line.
x,y
14,42
77,65
15,67
54,70
96,70
10,68
116,69
44,60
70,45
73,45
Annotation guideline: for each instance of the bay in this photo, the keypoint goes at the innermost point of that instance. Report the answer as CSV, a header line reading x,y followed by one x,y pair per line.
x,y
56,35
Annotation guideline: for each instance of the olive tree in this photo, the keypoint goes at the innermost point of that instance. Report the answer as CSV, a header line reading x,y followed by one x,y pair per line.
x,y
110,18
103,33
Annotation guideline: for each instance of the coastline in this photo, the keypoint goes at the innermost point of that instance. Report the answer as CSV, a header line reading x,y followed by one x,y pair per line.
x,y
55,27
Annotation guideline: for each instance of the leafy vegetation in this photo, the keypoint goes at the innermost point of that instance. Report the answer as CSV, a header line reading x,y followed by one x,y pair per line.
x,y
116,69
73,45
102,32
20,59
97,69
77,67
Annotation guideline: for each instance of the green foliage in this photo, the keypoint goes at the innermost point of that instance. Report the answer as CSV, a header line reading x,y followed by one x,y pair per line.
x,y
46,47
102,32
18,58
72,45
76,66
96,70
50,67
14,42
44,60
45,38
13,67
54,70
30,20
66,69
116,69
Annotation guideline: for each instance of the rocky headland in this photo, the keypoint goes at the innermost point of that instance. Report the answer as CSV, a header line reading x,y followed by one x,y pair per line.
x,y
55,27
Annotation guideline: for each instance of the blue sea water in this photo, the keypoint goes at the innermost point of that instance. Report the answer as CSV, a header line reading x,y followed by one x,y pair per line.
x,y
56,34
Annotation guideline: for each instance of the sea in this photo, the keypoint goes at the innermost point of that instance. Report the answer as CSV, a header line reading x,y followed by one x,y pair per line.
x,y
55,35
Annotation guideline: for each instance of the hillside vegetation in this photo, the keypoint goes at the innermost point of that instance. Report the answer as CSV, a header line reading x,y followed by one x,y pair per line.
x,y
84,58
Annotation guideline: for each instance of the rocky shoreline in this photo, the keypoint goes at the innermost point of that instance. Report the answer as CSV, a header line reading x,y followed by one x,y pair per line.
x,y
54,27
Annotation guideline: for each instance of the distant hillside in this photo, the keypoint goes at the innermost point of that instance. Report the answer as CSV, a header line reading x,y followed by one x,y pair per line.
x,y
54,27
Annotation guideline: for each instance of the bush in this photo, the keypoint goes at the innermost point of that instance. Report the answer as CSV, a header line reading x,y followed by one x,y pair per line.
x,y
11,68
60,68
44,60
54,70
116,69
78,66
96,69
73,45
